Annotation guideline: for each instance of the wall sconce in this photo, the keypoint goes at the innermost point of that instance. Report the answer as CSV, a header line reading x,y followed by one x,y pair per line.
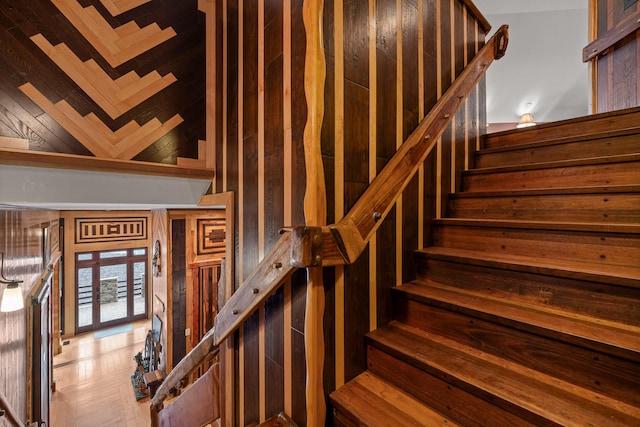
x,y
525,121
12,299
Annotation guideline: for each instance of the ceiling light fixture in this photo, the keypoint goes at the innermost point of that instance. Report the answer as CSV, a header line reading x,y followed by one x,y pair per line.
x,y
525,121
12,299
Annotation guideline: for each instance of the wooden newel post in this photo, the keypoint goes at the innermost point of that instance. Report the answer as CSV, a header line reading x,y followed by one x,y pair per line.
x,y
315,207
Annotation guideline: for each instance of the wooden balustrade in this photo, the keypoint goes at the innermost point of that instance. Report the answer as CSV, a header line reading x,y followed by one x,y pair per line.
x,y
341,243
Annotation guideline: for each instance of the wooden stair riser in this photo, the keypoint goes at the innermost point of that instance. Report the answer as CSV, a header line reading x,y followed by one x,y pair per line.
x,y
615,208
436,390
604,174
575,128
593,370
540,152
600,300
591,247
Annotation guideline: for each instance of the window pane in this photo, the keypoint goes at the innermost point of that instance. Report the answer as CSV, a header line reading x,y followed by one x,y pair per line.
x,y
139,288
113,254
113,292
140,251
85,297
85,257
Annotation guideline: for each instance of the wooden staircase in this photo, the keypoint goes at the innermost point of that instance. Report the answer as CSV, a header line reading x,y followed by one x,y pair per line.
x,y
526,311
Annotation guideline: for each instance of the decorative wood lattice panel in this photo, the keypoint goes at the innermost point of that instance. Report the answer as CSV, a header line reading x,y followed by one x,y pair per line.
x,y
94,230
211,236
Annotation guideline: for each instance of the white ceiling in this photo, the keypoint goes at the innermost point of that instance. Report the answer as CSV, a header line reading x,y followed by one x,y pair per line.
x,y
542,72
62,189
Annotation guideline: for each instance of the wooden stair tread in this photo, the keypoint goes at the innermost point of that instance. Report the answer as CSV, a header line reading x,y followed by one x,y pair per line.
x,y
507,382
377,403
597,227
554,191
622,158
602,273
615,338
600,124
544,142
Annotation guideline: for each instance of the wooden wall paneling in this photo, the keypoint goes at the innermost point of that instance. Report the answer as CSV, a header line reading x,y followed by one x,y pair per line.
x,y
233,126
274,138
617,72
295,401
274,353
251,362
22,244
298,368
411,108
337,12
298,111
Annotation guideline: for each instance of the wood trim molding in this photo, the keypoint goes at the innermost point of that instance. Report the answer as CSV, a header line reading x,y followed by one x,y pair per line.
x,y
88,163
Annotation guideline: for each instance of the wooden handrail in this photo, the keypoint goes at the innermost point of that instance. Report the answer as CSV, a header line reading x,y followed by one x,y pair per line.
x,y
7,411
602,44
340,243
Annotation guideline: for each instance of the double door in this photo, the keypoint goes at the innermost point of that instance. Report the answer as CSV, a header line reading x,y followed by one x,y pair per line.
x,y
111,288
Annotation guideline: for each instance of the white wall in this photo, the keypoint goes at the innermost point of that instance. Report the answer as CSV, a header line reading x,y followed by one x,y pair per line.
x,y
542,72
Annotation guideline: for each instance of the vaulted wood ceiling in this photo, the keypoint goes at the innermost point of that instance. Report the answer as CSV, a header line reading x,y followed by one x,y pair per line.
x,y
120,79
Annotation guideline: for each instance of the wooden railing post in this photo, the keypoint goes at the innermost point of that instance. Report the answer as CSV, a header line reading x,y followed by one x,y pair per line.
x,y
315,208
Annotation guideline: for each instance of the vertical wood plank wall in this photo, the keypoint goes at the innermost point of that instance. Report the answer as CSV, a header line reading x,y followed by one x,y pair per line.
x,y
261,159
618,72
21,241
388,62
379,85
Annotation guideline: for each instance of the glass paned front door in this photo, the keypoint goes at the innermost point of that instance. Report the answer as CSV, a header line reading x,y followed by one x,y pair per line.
x,y
111,288
113,292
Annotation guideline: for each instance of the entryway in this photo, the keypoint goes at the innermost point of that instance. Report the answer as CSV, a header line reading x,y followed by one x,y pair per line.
x,y
93,381
111,288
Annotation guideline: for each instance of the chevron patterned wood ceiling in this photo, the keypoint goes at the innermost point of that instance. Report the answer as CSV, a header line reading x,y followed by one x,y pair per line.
x,y
117,79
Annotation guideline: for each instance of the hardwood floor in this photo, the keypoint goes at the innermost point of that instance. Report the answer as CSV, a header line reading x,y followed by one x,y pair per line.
x,y
93,381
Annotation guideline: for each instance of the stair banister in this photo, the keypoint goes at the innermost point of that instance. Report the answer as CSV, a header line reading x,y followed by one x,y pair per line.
x,y
7,412
341,243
